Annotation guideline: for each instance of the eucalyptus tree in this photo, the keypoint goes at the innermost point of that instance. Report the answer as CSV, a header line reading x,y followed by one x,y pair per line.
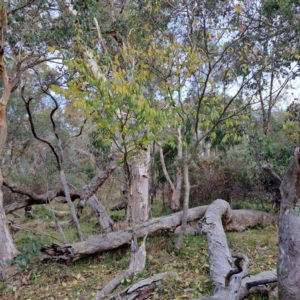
x,y
28,30
272,39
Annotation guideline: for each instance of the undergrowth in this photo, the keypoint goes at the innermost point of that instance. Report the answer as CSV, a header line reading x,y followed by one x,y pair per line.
x,y
83,278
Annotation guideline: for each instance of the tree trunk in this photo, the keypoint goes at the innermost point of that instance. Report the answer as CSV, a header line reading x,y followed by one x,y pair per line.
x,y
176,190
289,233
139,187
7,248
70,203
240,220
103,218
186,200
84,193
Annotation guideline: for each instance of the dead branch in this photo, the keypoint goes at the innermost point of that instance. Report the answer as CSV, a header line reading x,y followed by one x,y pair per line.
x,y
59,213
102,216
268,170
137,265
54,192
144,288
119,206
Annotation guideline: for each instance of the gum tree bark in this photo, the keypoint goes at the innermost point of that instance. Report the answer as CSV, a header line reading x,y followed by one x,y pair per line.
x,y
139,188
7,248
289,232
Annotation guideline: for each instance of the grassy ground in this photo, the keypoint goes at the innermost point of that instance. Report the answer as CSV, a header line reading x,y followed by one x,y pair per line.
x,y
82,279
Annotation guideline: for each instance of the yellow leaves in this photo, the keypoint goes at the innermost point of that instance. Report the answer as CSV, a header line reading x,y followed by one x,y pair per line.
x,y
116,59
51,49
238,9
121,89
63,284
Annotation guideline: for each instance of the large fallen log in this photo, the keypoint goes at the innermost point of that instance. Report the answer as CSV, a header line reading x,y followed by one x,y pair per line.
x,y
229,281
240,220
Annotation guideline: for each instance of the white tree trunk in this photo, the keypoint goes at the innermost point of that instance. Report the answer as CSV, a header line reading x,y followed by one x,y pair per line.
x,y
185,202
139,187
7,248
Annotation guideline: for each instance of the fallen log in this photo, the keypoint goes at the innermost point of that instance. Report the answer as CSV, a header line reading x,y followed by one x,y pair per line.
x,y
229,282
240,220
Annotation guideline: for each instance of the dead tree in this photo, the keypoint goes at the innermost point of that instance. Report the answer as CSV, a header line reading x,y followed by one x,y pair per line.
x,y
58,154
229,281
289,234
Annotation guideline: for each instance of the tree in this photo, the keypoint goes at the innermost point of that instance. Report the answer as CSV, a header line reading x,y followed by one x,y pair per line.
x,y
288,257
31,28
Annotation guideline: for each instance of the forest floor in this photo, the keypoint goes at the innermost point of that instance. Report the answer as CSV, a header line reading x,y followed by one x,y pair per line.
x,y
82,279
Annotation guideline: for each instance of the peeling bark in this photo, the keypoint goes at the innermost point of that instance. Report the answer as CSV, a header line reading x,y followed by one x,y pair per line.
x,y
7,248
139,188
289,232
99,243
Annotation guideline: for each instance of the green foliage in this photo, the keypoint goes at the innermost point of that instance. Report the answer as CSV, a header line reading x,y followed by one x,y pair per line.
x,y
30,254
270,149
170,154
257,205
